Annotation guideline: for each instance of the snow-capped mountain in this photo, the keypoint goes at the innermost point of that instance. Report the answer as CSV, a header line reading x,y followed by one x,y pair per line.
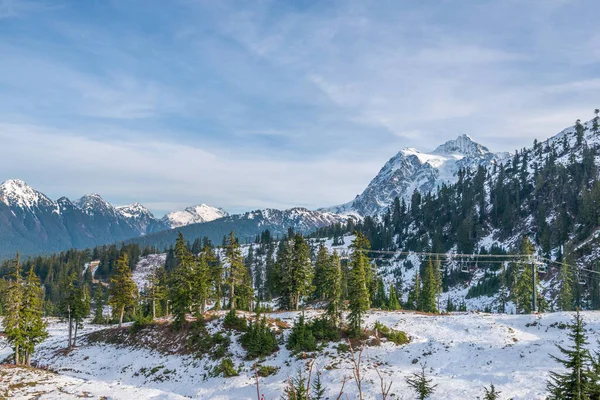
x,y
141,218
16,193
411,170
193,215
30,222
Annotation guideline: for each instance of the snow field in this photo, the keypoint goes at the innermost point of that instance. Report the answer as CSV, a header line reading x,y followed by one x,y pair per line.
x,y
462,352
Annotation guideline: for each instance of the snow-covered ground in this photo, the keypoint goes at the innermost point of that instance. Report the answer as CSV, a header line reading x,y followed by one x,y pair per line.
x,y
463,352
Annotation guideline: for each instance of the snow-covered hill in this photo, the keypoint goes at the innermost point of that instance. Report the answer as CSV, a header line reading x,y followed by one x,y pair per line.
x,y
193,215
412,170
463,353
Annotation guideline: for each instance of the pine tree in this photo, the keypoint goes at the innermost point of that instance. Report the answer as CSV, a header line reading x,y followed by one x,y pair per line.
x,y
321,265
13,308
491,393
414,295
394,303
301,274
181,287
579,130
420,384
123,290
200,282
235,266
332,288
576,382
565,294
98,306
156,290
74,305
429,293
596,122
32,324
358,293
523,287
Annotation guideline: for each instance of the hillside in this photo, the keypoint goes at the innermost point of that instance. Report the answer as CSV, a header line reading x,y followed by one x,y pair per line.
x,y
463,352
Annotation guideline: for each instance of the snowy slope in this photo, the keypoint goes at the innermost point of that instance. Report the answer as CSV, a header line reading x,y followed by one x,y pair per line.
x,y
193,215
412,170
463,352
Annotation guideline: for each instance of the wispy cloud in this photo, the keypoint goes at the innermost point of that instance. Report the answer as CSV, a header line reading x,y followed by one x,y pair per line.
x,y
228,102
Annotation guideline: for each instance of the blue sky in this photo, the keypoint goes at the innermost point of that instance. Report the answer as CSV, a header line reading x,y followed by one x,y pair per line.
x,y
253,104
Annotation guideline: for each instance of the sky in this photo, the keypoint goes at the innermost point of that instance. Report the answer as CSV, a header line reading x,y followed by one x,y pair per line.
x,y
253,104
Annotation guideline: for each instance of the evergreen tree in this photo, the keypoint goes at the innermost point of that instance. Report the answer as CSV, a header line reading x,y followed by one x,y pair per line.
x,y
235,266
321,265
32,324
358,293
420,384
414,295
181,282
523,287
98,306
123,290
300,278
579,129
156,290
491,393
430,285
576,382
200,282
394,303
565,294
332,288
12,314
74,305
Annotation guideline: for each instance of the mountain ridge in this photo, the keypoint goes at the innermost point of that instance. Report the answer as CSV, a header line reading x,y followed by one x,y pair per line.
x,y
412,170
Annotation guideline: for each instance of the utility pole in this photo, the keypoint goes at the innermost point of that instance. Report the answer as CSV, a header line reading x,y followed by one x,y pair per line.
x,y
534,291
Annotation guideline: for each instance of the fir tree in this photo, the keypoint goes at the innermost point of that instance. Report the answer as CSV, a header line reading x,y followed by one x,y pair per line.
x,y
235,266
579,130
156,289
523,288
491,393
394,303
12,314
565,294
98,306
32,324
429,293
321,266
414,295
420,384
332,288
123,290
358,293
181,287
300,278
200,280
576,382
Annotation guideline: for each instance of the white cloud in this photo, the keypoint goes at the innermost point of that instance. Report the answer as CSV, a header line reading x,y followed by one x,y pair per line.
x,y
169,175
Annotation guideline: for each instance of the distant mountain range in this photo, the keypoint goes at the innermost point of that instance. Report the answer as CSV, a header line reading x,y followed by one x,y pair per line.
x,y
32,223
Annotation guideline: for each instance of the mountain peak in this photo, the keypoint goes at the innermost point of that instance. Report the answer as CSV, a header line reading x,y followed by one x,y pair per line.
x,y
134,210
463,145
93,203
194,214
16,192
